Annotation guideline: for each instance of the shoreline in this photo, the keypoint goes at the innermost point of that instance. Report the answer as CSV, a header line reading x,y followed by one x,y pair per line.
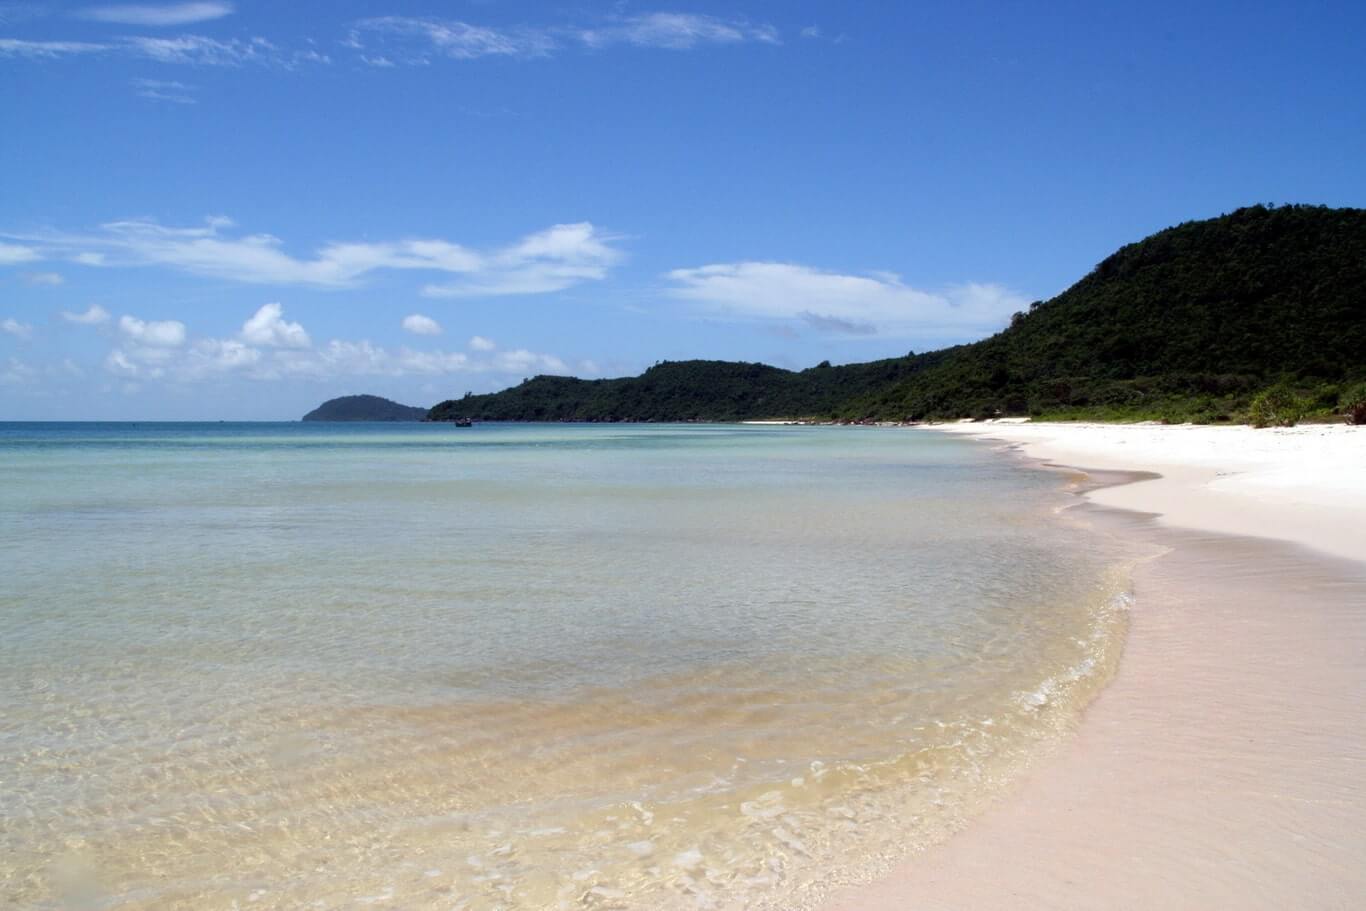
x,y
1221,766
1305,484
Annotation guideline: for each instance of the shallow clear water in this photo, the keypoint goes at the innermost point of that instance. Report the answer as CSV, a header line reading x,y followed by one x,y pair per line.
x,y
300,665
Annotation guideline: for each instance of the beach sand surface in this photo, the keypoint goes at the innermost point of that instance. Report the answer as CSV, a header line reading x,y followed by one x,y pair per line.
x,y
1305,484
1225,766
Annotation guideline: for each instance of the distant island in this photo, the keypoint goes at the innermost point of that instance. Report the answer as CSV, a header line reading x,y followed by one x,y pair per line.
x,y
365,408
1256,315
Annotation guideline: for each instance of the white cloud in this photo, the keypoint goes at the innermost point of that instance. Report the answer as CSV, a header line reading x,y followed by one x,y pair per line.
x,y
811,31
165,90
94,316
675,31
159,15
363,358
68,367
268,327
119,363
16,328
163,334
12,254
831,302
47,50
152,351
413,40
549,260
49,279
523,361
389,40
214,357
190,50
418,324
198,50
479,343
17,373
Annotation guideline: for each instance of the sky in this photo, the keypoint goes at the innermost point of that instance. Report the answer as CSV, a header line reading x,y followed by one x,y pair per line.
x,y
235,209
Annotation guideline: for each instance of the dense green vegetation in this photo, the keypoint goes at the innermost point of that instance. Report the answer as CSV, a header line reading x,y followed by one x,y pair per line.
x,y
683,391
364,408
1353,404
1190,324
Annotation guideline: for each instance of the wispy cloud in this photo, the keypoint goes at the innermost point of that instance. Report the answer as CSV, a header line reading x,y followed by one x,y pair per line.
x,y
384,41
43,279
15,328
816,33
157,15
675,31
390,40
412,40
48,50
347,358
835,303
549,260
12,13
198,50
94,316
185,50
17,373
165,90
13,254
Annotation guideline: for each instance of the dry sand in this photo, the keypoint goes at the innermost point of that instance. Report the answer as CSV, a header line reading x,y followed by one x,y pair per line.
x,y
1225,767
1304,484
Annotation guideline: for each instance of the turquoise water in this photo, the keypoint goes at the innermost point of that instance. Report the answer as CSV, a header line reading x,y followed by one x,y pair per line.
x,y
515,666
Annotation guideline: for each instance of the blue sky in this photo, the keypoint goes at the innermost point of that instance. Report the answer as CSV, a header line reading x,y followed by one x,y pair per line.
x,y
238,209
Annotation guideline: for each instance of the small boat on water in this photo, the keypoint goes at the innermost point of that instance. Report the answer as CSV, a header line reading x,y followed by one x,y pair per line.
x,y
463,422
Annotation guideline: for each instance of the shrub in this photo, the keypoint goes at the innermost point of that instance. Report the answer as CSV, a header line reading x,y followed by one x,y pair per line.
x,y
1275,407
1322,398
985,412
1353,404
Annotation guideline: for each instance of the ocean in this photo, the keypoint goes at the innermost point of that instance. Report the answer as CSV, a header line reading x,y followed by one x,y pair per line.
x,y
521,666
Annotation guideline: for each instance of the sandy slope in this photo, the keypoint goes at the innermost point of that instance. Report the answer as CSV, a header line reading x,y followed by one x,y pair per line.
x,y
1223,768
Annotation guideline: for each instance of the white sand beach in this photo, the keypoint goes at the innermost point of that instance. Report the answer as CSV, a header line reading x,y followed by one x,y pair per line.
x,y
1222,768
1305,484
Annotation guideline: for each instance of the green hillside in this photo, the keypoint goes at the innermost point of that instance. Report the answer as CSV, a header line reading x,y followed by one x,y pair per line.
x,y
1189,323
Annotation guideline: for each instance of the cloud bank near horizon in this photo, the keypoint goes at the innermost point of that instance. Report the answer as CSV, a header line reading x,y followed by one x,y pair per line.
x,y
270,347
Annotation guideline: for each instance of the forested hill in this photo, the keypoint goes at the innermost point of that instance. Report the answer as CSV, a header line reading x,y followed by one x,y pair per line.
x,y
1189,323
364,408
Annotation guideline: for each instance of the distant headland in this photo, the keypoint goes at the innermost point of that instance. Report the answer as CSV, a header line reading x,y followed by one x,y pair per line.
x,y
365,408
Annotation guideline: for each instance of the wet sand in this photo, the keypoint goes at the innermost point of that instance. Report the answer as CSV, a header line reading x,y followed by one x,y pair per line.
x,y
1224,767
